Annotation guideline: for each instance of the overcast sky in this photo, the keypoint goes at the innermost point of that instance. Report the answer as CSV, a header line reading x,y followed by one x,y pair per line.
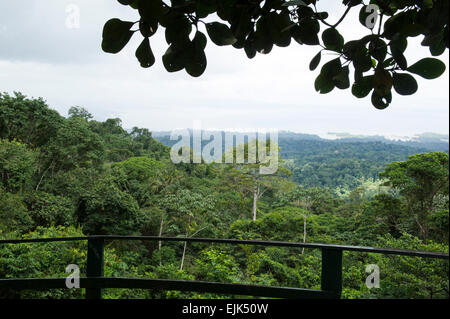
x,y
41,57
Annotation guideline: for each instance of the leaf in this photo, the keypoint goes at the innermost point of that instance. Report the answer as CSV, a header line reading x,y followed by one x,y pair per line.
x,y
405,84
306,32
176,58
332,68
197,63
294,3
363,87
250,51
428,68
205,7
178,30
200,40
362,62
398,46
323,85
342,81
220,34
146,29
263,42
332,39
151,11
381,102
144,54
116,35
382,82
282,23
125,2
378,49
315,61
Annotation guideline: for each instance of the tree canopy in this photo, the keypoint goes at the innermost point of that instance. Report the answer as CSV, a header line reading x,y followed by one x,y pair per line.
x,y
378,60
90,177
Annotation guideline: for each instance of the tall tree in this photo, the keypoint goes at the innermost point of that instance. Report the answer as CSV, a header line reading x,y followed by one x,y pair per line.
x,y
420,179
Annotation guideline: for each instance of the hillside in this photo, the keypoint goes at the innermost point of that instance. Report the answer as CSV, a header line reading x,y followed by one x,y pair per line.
x,y
74,176
345,162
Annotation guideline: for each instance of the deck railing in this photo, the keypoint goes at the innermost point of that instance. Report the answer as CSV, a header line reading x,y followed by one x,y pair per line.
x,y
94,282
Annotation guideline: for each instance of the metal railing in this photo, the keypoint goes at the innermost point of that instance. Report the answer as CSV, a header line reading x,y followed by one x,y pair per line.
x,y
94,282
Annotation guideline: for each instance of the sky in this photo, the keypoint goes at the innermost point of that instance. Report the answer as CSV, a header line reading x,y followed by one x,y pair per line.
x,y
45,53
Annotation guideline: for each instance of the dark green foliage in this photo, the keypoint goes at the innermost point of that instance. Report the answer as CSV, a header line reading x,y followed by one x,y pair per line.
x,y
338,164
91,177
105,209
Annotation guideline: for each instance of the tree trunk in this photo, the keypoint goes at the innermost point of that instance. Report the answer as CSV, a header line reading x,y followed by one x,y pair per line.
x,y
304,232
161,229
255,196
184,254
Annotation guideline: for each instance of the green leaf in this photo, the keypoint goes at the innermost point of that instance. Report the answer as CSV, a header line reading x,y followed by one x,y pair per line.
x,y
294,3
220,34
116,35
197,63
200,40
405,84
381,102
306,32
176,58
378,49
205,7
250,51
332,68
333,39
178,30
263,40
342,80
151,11
125,2
428,68
323,85
315,61
398,46
362,62
363,87
146,29
144,54
382,81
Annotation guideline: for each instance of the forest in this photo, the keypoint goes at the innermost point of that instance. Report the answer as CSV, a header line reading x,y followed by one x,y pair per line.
x,y
71,175
336,164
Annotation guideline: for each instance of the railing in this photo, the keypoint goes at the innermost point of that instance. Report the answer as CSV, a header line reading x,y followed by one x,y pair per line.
x,y
94,282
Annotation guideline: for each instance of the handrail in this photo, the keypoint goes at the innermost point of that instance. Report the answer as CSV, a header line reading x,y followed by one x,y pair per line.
x,y
331,279
390,251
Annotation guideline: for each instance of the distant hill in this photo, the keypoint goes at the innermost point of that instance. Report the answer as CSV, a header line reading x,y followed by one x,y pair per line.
x,y
345,160
425,141
429,141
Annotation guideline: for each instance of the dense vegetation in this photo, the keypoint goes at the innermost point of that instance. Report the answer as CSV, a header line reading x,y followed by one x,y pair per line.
x,y
341,165
76,176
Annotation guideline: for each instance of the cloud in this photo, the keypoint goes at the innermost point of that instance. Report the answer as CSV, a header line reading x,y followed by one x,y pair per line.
x,y
42,30
40,56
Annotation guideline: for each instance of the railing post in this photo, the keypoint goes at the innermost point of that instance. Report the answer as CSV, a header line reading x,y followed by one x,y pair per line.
x,y
95,265
332,271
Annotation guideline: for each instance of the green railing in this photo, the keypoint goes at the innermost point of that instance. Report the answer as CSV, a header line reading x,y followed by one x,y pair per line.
x,y
94,282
